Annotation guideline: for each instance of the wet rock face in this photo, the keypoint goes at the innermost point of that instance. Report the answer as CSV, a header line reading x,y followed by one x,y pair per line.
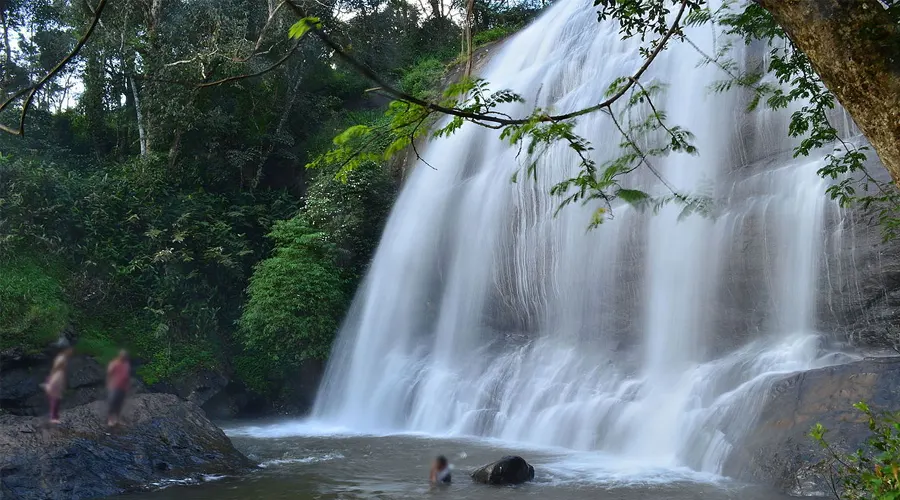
x,y
162,438
507,470
779,451
859,293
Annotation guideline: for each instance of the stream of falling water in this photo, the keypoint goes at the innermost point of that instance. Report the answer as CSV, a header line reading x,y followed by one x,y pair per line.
x,y
653,337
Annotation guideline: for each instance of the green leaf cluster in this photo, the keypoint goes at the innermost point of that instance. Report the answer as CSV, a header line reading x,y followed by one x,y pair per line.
x,y
873,471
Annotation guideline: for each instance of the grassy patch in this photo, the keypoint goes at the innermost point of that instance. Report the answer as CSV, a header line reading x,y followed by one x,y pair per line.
x,y
33,310
492,35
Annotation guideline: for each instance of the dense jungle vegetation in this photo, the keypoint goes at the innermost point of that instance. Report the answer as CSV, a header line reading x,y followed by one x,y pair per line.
x,y
159,198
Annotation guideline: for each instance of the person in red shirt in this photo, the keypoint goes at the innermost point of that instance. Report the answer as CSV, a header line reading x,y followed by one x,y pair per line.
x,y
118,383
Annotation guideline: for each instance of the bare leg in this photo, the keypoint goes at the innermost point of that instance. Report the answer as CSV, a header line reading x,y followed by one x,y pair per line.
x,y
54,410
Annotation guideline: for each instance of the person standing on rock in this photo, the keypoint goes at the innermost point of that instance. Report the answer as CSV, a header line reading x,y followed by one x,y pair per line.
x,y
56,382
118,383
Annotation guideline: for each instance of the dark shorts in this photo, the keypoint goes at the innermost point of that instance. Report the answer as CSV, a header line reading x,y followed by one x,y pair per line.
x,y
115,401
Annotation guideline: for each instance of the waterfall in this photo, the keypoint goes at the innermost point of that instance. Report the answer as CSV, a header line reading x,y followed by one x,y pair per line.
x,y
652,337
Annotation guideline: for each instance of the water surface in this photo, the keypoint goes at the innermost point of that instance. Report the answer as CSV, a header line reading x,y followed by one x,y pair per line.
x,y
336,466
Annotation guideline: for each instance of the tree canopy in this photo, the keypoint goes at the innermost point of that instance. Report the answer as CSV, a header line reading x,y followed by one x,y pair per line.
x,y
153,184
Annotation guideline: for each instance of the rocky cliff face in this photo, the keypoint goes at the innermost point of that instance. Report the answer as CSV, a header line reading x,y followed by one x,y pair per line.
x,y
859,296
779,450
163,437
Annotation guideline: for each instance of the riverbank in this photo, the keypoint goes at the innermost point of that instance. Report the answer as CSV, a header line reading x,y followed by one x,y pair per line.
x,y
163,438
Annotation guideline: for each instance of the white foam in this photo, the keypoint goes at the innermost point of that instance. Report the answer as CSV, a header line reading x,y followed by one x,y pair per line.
x,y
293,428
304,460
608,470
187,481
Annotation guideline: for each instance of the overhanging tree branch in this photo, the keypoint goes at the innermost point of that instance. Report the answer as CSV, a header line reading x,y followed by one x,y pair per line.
x,y
492,117
258,73
31,90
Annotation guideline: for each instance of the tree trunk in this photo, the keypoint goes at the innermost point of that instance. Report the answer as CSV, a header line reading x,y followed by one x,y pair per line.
x,y
470,22
279,129
435,9
7,49
854,46
155,11
142,131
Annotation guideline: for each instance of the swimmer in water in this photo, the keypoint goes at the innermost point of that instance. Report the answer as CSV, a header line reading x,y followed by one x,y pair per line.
x,y
440,471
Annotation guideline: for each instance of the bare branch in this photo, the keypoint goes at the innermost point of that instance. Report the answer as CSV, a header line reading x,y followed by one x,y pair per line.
x,y
258,73
643,157
33,89
412,142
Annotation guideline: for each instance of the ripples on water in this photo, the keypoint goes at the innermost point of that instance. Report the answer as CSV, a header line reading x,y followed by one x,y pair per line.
x,y
302,460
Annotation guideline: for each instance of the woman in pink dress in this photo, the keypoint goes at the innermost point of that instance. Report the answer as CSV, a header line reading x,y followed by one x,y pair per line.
x,y
56,383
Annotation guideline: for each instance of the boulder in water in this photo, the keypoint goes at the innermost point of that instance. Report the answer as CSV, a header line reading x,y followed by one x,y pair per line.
x,y
507,470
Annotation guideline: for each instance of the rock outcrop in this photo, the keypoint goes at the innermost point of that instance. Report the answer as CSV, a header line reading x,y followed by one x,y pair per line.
x,y
21,375
779,450
163,437
198,388
507,470
224,399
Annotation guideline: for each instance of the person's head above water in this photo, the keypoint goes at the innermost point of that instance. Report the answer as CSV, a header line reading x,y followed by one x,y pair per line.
x,y
440,471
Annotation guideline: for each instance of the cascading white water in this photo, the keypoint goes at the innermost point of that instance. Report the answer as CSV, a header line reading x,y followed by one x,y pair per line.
x,y
649,337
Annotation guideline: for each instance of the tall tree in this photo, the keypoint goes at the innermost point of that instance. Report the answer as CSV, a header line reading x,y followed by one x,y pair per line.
x,y
854,46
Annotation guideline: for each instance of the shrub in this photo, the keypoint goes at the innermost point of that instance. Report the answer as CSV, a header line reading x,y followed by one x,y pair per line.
x,y
296,300
872,472
350,214
492,35
423,78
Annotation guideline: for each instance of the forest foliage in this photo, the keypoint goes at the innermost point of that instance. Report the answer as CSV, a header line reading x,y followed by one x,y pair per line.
x,y
160,198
